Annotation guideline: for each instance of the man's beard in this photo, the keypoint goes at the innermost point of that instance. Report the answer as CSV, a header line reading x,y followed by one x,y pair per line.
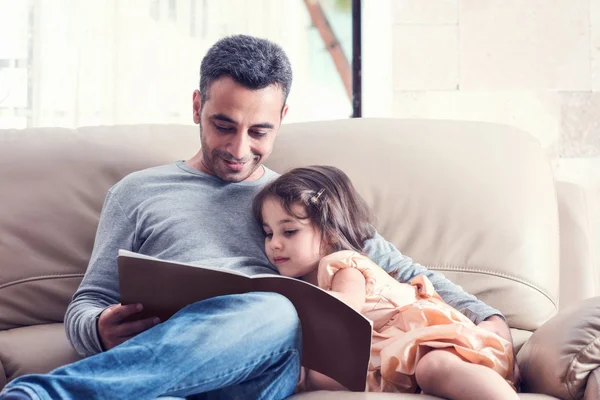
x,y
210,160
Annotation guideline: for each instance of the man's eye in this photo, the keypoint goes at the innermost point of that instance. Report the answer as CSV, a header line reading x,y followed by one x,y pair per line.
x,y
223,129
258,134
290,233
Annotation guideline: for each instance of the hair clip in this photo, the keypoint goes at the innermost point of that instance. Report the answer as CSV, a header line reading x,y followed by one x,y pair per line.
x,y
315,199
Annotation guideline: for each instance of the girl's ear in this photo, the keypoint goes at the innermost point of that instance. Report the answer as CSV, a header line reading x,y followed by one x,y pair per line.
x,y
329,245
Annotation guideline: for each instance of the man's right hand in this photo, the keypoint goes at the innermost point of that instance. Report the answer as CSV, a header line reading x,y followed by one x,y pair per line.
x,y
113,330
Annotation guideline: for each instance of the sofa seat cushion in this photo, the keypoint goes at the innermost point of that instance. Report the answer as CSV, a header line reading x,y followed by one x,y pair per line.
x,y
34,349
324,395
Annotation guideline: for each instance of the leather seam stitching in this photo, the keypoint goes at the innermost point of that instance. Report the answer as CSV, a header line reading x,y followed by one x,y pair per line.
x,y
493,273
40,278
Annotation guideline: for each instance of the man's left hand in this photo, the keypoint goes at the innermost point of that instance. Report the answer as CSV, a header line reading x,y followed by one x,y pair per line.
x,y
496,324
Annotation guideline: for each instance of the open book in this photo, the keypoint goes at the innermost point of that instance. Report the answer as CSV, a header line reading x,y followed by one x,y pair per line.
x,y
336,339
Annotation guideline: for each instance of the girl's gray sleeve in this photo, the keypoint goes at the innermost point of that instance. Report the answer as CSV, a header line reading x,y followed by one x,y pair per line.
x,y
99,288
404,270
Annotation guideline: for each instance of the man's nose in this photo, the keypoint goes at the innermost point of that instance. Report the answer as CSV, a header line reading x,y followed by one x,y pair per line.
x,y
239,147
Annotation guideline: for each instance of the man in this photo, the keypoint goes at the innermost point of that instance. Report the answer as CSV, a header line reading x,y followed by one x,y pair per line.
x,y
200,211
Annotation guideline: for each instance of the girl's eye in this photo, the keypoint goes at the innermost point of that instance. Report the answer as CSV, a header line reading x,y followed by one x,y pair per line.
x,y
268,235
290,233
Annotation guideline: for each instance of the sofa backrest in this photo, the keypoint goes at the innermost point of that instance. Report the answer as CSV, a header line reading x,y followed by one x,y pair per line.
x,y
53,183
579,273
474,201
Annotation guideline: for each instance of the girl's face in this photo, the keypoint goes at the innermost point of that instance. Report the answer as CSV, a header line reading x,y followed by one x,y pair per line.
x,y
293,245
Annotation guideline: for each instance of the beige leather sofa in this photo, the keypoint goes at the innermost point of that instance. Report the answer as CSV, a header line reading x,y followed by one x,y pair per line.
x,y
475,201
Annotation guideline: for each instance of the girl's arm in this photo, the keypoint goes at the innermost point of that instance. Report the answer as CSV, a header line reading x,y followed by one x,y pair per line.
x,y
349,286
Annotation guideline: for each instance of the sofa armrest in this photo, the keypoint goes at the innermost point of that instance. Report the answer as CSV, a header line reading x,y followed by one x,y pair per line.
x,y
561,354
578,274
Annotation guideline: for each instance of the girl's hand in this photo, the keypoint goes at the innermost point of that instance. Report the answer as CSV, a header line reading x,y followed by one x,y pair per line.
x,y
496,324
517,375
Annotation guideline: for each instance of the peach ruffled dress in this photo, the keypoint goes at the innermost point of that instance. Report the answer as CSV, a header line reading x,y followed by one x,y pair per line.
x,y
408,321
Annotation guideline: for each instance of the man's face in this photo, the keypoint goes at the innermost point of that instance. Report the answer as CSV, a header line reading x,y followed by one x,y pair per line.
x,y
238,127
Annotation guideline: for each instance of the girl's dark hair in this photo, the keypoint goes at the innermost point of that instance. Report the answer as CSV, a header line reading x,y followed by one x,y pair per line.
x,y
330,202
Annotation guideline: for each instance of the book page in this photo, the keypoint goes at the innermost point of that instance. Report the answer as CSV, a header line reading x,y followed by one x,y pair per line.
x,y
336,340
131,254
165,287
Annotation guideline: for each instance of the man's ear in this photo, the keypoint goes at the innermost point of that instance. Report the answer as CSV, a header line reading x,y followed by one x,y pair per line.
x,y
284,111
196,106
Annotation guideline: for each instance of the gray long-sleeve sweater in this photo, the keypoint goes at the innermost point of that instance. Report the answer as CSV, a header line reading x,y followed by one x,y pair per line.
x,y
175,212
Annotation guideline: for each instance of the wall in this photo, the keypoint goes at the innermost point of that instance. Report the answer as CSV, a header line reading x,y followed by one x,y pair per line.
x,y
533,64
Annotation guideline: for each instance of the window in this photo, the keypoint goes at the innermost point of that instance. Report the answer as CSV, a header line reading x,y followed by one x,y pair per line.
x,y
72,63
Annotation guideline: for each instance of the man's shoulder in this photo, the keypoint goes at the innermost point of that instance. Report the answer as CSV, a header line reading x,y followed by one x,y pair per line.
x,y
270,174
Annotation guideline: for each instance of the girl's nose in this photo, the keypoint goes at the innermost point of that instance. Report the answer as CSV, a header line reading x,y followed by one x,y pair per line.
x,y
275,243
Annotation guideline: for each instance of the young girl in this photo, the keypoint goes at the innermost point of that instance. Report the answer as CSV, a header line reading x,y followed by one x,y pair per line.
x,y
316,225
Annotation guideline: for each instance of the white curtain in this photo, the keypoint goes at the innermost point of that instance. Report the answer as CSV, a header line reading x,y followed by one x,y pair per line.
x,y
90,62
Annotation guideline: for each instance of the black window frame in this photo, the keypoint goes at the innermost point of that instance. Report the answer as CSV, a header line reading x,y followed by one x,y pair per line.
x,y
356,59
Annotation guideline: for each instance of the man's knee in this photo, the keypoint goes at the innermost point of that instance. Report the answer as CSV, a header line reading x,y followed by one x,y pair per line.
x,y
273,310
270,313
273,320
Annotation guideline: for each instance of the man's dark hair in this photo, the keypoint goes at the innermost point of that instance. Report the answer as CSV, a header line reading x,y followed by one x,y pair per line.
x,y
252,62
329,201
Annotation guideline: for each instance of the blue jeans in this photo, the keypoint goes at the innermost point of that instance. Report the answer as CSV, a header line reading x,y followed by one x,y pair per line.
x,y
231,347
